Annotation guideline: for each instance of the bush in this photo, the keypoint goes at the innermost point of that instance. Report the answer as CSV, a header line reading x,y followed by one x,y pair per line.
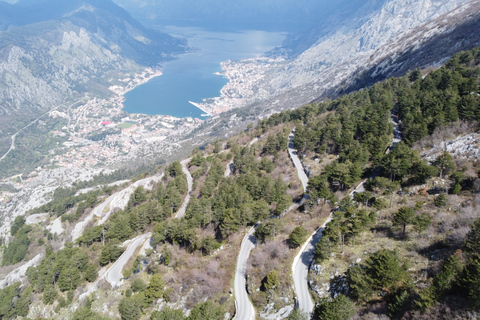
x,y
129,310
138,285
340,308
297,237
270,281
441,200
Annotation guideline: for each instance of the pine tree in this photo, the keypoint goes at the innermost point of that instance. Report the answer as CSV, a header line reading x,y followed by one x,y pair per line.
x,y
297,236
403,217
339,308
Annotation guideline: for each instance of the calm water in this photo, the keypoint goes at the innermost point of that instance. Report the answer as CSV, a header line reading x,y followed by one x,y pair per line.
x,y
192,77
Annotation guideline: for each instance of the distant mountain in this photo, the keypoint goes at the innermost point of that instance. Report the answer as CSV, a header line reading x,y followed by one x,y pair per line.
x,y
380,39
52,51
268,14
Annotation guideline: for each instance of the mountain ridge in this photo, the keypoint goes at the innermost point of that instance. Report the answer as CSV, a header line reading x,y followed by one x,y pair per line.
x,y
46,63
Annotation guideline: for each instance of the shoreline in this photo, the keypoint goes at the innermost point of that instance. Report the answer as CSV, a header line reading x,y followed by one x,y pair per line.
x,y
199,106
137,79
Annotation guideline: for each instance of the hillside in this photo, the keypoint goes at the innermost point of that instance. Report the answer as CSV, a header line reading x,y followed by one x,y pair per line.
x,y
405,246
54,54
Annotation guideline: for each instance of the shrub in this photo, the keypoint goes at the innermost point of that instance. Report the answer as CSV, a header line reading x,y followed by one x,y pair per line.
x,y
297,237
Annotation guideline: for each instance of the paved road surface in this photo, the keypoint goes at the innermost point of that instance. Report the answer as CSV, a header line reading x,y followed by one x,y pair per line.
x,y
12,145
183,208
300,267
302,261
296,162
243,306
114,274
118,200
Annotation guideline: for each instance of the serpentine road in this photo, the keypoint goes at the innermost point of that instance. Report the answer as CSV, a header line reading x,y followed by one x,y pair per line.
x,y
13,137
183,208
114,274
296,162
302,261
244,308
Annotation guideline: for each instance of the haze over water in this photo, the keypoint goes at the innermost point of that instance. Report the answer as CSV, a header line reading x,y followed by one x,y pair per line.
x,y
192,77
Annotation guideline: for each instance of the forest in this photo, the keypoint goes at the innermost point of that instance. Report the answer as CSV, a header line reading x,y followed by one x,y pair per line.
x,y
405,247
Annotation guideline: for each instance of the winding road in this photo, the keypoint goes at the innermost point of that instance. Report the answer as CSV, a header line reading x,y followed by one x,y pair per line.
x,y
183,208
13,137
244,309
296,162
114,273
301,263
243,305
118,200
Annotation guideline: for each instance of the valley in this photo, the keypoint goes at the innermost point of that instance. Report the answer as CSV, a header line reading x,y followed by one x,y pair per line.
x,y
336,176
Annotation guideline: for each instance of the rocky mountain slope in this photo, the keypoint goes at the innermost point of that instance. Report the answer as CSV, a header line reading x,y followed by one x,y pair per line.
x,y
281,14
370,36
378,40
56,51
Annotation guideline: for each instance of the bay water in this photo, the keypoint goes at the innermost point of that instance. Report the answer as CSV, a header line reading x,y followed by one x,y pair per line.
x,y
192,77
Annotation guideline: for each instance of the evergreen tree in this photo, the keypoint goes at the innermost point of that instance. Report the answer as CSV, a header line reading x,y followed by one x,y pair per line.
x,y
339,308
270,282
403,217
206,310
129,310
167,314
445,164
297,236
155,288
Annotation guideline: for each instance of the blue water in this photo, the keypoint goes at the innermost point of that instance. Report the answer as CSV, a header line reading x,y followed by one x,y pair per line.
x,y
192,77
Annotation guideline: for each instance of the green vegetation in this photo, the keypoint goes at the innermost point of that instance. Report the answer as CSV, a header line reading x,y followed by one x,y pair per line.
x,y
356,130
64,270
298,236
370,239
339,308
18,246
270,282
14,302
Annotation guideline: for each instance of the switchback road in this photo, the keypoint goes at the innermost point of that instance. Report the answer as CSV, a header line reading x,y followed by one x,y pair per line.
x,y
183,208
296,162
244,308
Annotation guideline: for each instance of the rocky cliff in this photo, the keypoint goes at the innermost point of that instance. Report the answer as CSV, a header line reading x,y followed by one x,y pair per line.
x,y
372,35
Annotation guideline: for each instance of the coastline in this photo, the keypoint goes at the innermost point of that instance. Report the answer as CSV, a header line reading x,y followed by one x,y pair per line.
x,y
199,106
135,80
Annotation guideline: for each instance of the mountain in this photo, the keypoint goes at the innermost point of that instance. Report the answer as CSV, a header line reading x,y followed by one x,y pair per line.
x,y
380,39
283,15
398,224
53,51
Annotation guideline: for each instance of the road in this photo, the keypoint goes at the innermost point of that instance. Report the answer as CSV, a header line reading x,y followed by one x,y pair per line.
x,y
183,208
118,200
300,267
13,137
244,308
301,263
296,162
114,273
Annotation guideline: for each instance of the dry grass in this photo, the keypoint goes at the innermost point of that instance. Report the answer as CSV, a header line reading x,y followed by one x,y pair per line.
x,y
275,254
423,251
